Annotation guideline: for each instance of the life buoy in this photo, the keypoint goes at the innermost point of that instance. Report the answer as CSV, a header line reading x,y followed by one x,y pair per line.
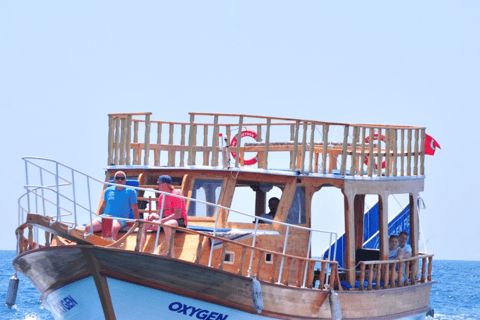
x,y
367,140
233,143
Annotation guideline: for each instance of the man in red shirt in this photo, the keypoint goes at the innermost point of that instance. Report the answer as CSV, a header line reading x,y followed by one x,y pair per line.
x,y
174,210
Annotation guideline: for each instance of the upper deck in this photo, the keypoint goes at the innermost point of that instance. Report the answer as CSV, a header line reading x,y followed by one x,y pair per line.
x,y
327,149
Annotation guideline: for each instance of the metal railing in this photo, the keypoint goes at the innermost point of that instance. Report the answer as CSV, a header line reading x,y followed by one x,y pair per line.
x,y
66,207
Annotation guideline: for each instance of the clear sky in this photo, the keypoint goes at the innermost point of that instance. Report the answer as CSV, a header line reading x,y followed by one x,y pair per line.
x,y
65,65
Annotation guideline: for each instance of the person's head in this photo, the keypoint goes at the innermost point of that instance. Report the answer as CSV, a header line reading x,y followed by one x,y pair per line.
x,y
273,205
120,178
393,242
403,238
164,183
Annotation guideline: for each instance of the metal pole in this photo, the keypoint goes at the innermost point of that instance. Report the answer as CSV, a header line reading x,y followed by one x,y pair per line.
x,y
90,209
306,264
214,234
160,213
74,202
283,257
28,190
253,245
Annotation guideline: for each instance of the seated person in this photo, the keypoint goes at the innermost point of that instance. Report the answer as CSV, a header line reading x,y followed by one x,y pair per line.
x,y
402,239
272,205
117,202
394,251
174,210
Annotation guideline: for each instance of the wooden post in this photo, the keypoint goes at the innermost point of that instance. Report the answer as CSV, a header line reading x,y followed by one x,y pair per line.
x,y
362,275
371,158
402,152
379,154
239,141
182,142
409,153
349,238
259,264
429,276
274,264
199,249
147,139
30,237
383,224
325,149
370,276
190,141
136,159
111,129
171,153
123,127
299,273
321,280
159,141
267,142
206,154
171,243
140,235
117,141
395,154
128,146
422,152
359,212
378,277
194,156
312,147
417,151
414,230
386,275
242,260
353,167
293,163
407,272
304,146
224,248
343,168
387,152
287,271
215,142
400,274
292,138
362,155
47,239
424,270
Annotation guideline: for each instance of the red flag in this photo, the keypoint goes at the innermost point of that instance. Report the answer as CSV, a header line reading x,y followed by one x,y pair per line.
x,y
430,145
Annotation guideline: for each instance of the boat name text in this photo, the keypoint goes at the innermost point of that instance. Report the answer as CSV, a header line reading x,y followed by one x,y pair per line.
x,y
64,305
199,313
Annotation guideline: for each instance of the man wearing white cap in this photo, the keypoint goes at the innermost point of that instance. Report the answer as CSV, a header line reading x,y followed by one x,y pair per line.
x,y
117,202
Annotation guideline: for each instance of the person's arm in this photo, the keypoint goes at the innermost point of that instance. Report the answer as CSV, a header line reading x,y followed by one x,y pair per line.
x,y
177,214
407,255
135,211
400,254
102,208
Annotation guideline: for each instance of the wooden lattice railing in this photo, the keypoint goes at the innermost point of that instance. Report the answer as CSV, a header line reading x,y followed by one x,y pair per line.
x,y
400,150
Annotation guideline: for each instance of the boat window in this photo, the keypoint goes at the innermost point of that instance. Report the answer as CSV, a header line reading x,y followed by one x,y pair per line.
x,y
297,213
252,198
204,190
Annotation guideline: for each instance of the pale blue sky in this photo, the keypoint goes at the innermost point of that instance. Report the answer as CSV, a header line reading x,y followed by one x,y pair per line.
x,y
65,65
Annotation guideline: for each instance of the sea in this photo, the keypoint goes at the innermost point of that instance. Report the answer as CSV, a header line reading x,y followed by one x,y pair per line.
x,y
455,294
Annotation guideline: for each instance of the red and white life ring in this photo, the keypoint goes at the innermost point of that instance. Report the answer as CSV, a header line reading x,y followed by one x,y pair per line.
x,y
367,140
233,143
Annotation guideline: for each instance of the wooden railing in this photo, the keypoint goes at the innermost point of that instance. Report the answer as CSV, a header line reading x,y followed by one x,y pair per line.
x,y
304,266
362,149
395,273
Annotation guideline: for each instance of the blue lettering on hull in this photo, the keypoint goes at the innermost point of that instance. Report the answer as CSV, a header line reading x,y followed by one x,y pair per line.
x,y
197,313
65,304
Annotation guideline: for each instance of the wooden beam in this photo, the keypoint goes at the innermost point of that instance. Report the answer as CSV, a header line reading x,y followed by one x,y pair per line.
x,y
101,284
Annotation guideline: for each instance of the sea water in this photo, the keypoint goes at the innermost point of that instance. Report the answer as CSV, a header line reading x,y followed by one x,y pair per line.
x,y
455,294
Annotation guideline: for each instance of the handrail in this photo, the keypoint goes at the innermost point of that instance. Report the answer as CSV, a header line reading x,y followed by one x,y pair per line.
x,y
350,154
402,273
59,196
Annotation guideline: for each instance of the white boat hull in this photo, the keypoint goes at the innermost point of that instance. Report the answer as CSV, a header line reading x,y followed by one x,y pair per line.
x,y
80,301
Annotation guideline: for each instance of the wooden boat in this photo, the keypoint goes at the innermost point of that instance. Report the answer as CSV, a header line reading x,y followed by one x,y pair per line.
x,y
225,268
